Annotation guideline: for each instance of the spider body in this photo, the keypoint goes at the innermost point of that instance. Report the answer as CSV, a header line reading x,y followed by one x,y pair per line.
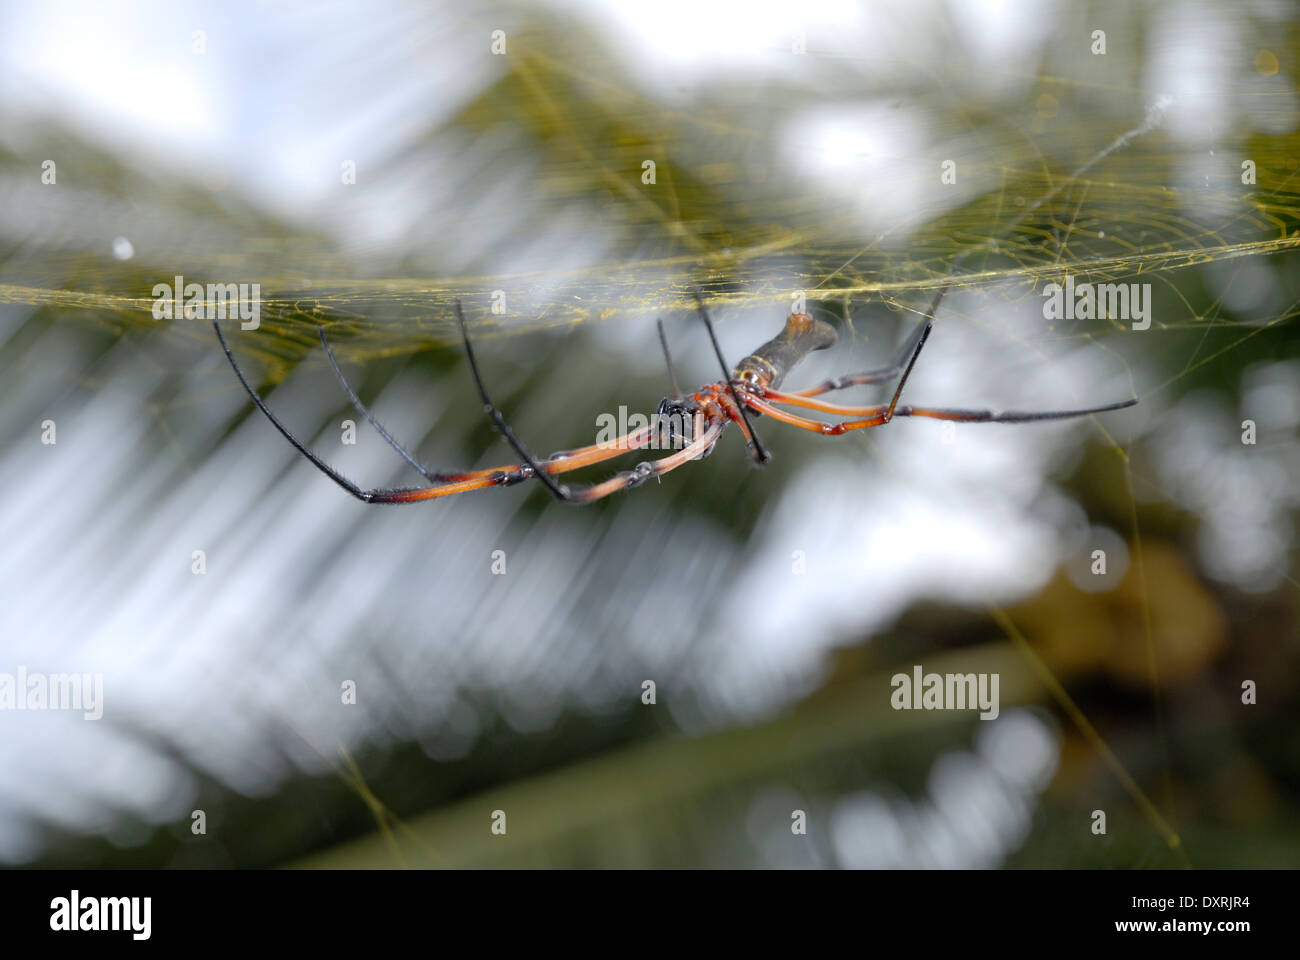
x,y
692,423
769,364
681,419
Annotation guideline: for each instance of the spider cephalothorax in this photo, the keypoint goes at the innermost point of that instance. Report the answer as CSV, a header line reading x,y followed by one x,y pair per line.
x,y
678,421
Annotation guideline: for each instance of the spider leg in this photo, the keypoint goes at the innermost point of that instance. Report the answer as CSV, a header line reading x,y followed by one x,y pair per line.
x,y
1008,416
580,495
459,483
591,492
558,489
972,416
801,399
668,359
757,452
365,495
556,463
871,376
647,469
920,342
736,415
878,415
874,416
817,426
565,460
433,476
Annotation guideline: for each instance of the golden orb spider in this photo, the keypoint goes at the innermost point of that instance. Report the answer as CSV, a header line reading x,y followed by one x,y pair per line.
x,y
752,387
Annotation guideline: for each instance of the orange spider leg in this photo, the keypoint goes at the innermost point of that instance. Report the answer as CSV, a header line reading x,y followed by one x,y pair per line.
x,y
502,476
801,400
875,416
645,470
567,460
817,426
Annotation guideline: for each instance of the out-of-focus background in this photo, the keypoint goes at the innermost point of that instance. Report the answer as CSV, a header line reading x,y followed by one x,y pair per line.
x,y
583,167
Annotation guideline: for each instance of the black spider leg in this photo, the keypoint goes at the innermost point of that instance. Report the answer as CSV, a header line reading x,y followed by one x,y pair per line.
x,y
431,475
870,376
668,359
321,465
560,490
670,408
580,495
1011,416
916,351
757,453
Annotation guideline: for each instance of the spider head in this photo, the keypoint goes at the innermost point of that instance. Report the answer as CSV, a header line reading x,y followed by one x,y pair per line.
x,y
677,422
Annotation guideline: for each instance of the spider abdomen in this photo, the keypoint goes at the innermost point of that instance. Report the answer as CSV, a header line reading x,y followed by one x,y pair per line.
x,y
768,365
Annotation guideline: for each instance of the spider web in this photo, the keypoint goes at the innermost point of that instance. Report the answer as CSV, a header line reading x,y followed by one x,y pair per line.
x,y
1038,196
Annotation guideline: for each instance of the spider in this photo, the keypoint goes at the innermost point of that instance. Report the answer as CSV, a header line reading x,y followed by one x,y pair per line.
x,y
751,388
